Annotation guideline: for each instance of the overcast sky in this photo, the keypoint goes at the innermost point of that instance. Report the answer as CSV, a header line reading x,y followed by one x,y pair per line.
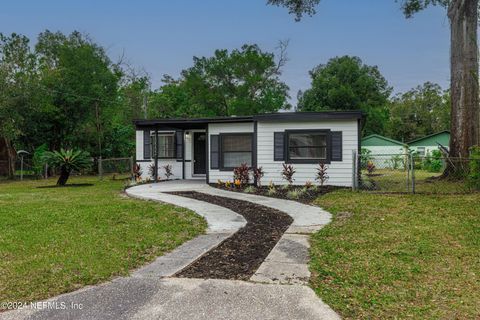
x,y
163,36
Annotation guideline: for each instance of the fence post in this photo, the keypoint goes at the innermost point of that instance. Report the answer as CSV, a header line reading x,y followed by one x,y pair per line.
x,y
131,169
100,168
407,166
354,170
413,173
46,171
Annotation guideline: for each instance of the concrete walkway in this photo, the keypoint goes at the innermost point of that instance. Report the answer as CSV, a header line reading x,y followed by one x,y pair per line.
x,y
151,293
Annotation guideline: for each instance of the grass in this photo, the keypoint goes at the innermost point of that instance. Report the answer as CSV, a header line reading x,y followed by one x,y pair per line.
x,y
55,240
399,256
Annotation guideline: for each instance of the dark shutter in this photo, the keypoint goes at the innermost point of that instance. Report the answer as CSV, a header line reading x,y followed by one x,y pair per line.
x,y
179,144
214,152
336,145
278,146
146,144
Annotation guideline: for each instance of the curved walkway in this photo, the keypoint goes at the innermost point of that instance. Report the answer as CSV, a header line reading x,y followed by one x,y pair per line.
x,y
150,293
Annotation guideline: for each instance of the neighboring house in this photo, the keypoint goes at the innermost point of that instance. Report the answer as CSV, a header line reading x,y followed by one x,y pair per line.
x,y
210,148
424,146
380,145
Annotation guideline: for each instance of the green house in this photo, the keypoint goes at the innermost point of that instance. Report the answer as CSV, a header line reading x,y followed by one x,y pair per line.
x,y
429,143
381,145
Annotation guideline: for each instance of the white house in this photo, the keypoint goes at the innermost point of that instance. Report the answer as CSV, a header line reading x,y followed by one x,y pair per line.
x,y
210,148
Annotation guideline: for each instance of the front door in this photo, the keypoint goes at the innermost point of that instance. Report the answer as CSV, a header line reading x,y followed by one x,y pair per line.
x,y
199,153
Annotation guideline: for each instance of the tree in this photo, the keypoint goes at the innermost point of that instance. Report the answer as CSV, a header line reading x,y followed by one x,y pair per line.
x,y
419,112
241,82
67,161
464,91
345,83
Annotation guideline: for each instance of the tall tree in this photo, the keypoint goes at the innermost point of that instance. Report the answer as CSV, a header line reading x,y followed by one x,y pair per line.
x,y
241,82
346,83
464,87
419,112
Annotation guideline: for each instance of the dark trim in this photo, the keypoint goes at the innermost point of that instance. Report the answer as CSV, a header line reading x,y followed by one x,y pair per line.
x,y
279,116
183,154
187,160
207,156
254,149
220,151
359,149
327,132
150,160
278,135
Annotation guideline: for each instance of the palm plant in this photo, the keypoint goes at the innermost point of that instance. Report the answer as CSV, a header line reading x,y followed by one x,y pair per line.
x,y
67,161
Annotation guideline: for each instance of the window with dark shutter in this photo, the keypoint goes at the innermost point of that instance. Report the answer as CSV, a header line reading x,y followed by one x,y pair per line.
x,y
214,151
337,145
278,146
146,144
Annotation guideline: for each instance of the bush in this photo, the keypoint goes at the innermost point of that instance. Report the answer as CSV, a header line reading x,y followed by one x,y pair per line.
x,y
474,165
137,172
151,170
67,161
242,174
322,176
249,189
288,172
370,167
39,160
433,162
258,174
365,157
168,171
295,193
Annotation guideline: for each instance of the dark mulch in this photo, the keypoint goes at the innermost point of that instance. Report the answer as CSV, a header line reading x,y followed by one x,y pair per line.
x,y
239,256
282,193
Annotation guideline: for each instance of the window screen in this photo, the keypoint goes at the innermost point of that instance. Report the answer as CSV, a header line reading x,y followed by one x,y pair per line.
x,y
166,145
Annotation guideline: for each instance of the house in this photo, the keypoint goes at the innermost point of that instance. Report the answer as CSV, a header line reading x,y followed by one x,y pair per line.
x,y
210,148
380,145
424,146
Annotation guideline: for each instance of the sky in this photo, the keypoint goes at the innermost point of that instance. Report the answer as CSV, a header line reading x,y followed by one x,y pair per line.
x,y
162,36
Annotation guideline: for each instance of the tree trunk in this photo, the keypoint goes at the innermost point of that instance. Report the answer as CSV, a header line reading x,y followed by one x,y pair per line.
x,y
64,175
465,117
11,155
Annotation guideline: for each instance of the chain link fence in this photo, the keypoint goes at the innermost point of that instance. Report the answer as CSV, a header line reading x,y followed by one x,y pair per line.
x,y
409,173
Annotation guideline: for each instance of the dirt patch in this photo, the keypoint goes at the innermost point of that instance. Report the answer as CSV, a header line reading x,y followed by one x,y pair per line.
x,y
239,256
305,195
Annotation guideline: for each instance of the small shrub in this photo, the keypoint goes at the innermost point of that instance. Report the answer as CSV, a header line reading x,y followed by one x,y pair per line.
x,y
285,187
67,161
433,162
219,182
258,174
39,160
308,184
137,172
365,157
295,193
322,176
473,178
242,174
250,189
271,191
288,172
370,167
151,170
237,183
395,162
228,184
168,171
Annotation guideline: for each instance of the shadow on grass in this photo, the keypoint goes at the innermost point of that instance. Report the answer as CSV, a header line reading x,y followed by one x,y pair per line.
x,y
73,185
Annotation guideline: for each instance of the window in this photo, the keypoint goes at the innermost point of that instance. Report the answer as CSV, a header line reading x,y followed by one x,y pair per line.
x,y
307,146
235,149
421,151
166,146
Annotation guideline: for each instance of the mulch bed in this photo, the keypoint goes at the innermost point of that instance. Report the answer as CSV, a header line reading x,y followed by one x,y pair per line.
x,y
239,256
282,193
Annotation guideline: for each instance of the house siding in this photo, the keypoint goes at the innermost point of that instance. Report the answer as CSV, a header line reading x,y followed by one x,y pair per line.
x,y
217,128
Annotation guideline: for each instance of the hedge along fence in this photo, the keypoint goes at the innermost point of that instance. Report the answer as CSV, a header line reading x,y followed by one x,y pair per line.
x,y
409,173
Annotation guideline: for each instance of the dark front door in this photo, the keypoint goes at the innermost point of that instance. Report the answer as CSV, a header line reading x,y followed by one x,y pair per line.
x,y
199,153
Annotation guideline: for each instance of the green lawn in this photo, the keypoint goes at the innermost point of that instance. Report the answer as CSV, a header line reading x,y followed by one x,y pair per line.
x,y
399,256
55,240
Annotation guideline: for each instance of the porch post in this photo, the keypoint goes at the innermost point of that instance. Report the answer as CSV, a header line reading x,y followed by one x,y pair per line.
x,y
155,154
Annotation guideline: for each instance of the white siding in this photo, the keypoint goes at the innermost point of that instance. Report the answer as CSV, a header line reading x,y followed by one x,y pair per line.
x,y
340,172
217,128
385,150
145,166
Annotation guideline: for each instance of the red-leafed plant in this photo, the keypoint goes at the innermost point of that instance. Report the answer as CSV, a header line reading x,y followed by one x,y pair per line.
x,y
242,174
258,173
370,167
322,176
137,172
288,172
168,171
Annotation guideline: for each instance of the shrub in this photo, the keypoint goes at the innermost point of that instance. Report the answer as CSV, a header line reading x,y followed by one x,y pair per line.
x,y
168,171
370,167
250,189
242,174
67,161
308,184
473,179
39,160
219,182
322,176
258,174
271,191
288,172
228,184
137,172
365,157
395,162
296,193
433,162
151,170
237,183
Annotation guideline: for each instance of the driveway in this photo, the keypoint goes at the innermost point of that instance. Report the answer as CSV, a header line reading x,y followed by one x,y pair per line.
x,y
278,290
